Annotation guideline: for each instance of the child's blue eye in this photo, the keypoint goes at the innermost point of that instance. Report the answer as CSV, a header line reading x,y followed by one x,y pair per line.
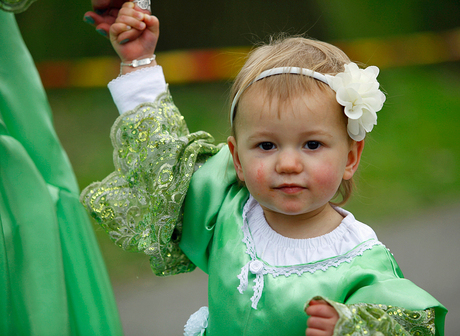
x,y
266,145
313,145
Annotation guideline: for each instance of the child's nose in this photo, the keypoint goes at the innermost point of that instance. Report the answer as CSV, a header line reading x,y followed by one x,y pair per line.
x,y
289,162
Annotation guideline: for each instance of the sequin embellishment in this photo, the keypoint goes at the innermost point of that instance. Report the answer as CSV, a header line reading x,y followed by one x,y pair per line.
x,y
140,204
378,319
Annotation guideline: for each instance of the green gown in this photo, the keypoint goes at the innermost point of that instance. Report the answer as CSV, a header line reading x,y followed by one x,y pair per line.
x,y
175,196
53,278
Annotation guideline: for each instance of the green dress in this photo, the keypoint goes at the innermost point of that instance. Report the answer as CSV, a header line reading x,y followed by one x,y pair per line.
x,y
175,197
53,278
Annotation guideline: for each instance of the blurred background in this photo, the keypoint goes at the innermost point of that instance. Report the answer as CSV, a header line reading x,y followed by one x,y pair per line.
x,y
409,179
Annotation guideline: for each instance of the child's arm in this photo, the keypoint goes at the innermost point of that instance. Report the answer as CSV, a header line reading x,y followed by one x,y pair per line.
x,y
134,35
367,319
155,156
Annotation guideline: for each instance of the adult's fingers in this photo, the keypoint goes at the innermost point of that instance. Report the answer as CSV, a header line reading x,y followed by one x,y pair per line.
x,y
102,23
101,6
92,18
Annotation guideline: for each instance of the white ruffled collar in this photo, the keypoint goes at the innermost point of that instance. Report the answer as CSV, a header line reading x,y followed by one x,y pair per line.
x,y
278,250
296,256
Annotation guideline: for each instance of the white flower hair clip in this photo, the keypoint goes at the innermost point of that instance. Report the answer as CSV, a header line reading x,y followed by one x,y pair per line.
x,y
357,90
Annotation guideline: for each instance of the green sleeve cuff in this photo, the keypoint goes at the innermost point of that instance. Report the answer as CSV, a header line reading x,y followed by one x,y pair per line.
x,y
381,320
140,203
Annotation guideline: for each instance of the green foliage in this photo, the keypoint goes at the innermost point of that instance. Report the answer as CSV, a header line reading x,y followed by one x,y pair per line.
x,y
375,18
54,29
411,160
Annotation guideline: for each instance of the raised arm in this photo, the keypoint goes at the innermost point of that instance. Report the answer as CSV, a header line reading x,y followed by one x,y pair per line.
x,y
155,156
134,36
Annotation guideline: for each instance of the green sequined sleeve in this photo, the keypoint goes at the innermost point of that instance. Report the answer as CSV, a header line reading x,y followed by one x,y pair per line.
x,y
140,204
15,6
363,319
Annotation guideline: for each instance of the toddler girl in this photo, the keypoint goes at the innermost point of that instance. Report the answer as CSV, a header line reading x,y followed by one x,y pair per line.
x,y
264,228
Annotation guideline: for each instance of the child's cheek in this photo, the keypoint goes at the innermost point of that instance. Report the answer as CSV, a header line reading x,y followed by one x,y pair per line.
x,y
328,180
260,177
258,180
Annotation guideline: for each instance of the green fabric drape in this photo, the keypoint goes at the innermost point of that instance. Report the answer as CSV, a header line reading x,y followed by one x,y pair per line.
x,y
53,278
15,6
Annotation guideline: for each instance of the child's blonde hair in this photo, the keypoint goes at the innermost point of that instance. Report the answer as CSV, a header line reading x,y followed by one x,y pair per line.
x,y
299,52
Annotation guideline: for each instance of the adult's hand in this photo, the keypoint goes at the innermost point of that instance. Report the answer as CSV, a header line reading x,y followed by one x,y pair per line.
x,y
104,14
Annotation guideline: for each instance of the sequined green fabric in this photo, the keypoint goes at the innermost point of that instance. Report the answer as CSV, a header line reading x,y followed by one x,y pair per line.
x,y
382,320
140,204
15,6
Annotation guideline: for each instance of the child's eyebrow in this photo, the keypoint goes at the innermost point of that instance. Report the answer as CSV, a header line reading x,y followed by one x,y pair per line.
x,y
262,134
318,133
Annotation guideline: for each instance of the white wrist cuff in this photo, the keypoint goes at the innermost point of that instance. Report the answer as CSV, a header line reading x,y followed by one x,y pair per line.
x,y
140,86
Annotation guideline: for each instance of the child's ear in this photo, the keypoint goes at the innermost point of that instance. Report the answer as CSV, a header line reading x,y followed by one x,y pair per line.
x,y
354,156
231,141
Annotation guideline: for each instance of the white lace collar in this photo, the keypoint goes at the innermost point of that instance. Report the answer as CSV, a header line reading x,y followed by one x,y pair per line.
x,y
278,250
344,233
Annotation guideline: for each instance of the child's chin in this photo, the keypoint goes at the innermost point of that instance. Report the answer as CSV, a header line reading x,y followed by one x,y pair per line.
x,y
292,211
285,209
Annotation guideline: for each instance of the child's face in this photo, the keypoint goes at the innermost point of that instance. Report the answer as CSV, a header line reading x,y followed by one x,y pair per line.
x,y
292,156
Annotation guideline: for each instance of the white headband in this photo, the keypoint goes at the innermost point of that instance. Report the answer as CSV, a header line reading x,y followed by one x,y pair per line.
x,y
356,89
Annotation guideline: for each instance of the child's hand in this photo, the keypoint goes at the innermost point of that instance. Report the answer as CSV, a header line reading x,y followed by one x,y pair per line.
x,y
322,320
135,33
104,15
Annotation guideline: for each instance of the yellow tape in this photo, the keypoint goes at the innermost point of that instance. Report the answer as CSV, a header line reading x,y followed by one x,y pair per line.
x,y
186,66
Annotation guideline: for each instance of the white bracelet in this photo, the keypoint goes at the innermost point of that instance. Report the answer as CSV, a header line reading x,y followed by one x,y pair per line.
x,y
138,63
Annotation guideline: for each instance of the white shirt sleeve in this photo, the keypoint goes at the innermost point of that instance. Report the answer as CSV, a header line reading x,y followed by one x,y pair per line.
x,y
134,88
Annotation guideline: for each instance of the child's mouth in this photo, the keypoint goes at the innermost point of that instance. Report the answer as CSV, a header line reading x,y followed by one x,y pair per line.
x,y
290,188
